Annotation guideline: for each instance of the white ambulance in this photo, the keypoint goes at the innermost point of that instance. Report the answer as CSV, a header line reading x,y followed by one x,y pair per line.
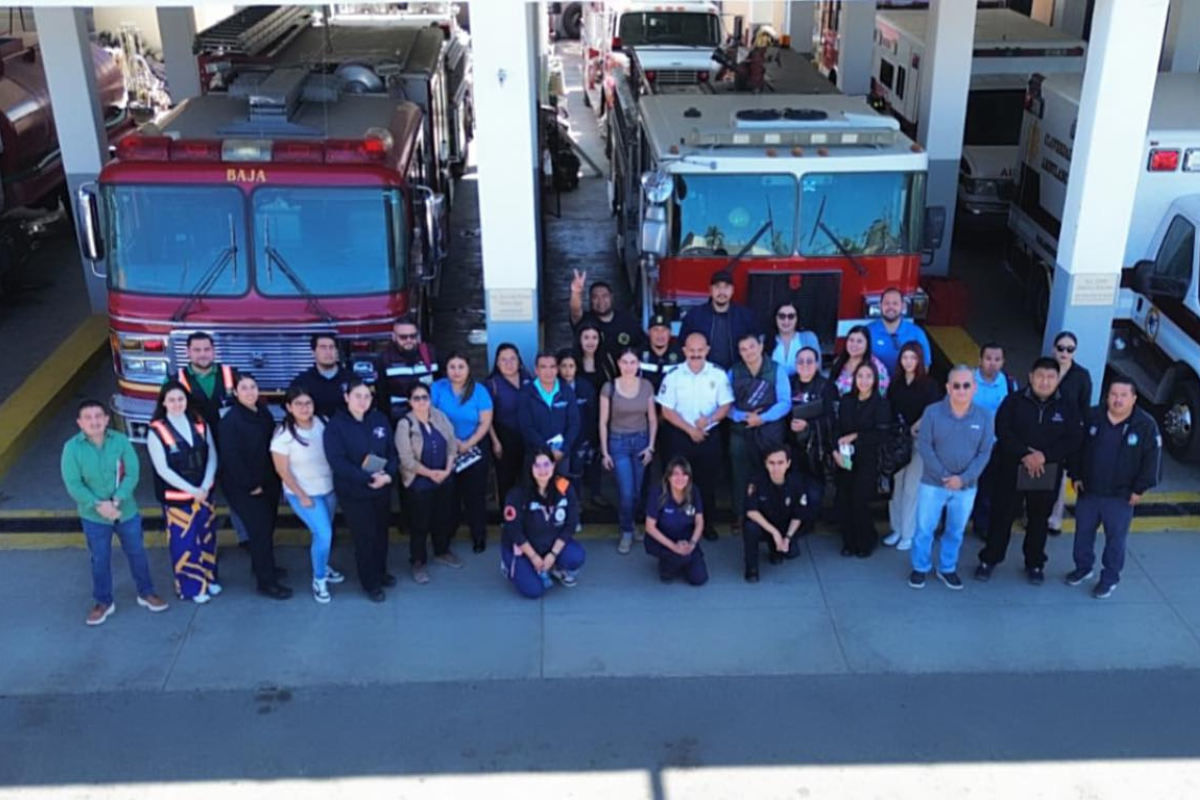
x,y
1009,47
1156,331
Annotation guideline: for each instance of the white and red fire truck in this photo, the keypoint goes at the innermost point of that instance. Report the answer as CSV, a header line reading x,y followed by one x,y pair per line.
x,y
814,198
1009,47
279,209
1156,333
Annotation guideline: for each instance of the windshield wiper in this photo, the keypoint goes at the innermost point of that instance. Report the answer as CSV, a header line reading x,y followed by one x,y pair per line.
x,y
819,225
274,256
209,278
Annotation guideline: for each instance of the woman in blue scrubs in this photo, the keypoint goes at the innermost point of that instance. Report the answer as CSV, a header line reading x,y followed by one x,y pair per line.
x,y
674,525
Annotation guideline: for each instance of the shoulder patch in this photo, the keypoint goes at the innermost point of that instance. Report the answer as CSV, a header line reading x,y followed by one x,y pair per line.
x,y
510,513
749,489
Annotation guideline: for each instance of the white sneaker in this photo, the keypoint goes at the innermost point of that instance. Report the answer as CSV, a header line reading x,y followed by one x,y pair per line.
x,y
320,591
332,575
904,544
625,544
892,539
201,599
214,588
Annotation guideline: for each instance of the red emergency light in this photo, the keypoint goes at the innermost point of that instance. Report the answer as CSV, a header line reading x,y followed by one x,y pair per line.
x,y
196,150
332,151
298,152
144,148
354,151
616,43
1163,161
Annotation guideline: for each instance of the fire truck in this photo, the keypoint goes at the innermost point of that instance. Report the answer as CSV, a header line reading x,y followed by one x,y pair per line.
x,y
1156,332
1009,47
283,207
32,183
373,55
813,198
674,43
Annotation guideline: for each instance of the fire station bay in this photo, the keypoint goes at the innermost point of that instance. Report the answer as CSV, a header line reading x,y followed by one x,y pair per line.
x,y
1015,168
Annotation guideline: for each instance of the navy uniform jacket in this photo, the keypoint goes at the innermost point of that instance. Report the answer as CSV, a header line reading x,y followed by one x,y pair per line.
x,y
655,366
779,504
541,521
675,521
328,394
1127,462
540,422
1023,421
724,352
347,443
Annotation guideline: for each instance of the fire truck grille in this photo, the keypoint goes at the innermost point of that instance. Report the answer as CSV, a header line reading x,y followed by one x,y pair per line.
x,y
273,358
816,296
676,77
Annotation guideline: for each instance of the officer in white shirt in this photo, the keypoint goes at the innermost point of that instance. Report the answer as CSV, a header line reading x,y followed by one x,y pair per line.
x,y
695,398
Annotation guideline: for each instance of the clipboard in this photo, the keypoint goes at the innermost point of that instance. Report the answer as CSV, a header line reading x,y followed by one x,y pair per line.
x,y
1048,481
810,410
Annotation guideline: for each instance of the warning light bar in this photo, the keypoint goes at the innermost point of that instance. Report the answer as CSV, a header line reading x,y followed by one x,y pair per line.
x,y
1163,161
373,148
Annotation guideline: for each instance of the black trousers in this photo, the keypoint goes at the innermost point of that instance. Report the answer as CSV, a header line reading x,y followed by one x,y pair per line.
x,y
753,536
258,512
705,459
468,498
856,490
1006,505
430,515
368,520
510,463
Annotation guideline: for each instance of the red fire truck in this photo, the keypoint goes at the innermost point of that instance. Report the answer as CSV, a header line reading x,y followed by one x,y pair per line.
x,y
31,171
279,209
813,198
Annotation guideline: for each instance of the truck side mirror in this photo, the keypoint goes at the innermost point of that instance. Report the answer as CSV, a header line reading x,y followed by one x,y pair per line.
x,y
935,227
89,226
654,230
1143,273
1146,282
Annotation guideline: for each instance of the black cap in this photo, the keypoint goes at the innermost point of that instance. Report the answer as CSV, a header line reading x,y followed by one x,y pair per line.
x,y
659,320
721,276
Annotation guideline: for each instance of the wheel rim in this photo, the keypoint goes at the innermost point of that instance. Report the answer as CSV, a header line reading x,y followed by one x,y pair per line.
x,y
1178,423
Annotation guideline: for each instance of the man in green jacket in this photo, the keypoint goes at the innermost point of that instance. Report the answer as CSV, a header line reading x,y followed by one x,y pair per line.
x,y
100,470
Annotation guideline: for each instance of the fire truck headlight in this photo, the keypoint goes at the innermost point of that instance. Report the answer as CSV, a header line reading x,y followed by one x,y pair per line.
x,y
872,311
658,186
918,305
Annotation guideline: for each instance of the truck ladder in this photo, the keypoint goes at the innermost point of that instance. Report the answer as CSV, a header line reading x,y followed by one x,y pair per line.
x,y
254,31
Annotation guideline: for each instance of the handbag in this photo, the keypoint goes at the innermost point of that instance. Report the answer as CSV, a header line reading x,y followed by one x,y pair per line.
x,y
897,449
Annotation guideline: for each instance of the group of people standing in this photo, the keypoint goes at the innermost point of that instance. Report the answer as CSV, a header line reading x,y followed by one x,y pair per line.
x,y
665,418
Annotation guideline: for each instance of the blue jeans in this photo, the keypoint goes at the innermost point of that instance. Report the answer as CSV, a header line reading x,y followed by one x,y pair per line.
x,y
930,502
319,520
99,541
629,470
1115,514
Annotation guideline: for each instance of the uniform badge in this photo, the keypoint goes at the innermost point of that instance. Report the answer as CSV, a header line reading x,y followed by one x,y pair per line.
x,y
804,500
510,513
379,432
622,338
1132,440
1058,417
689,510
1092,431
787,502
560,515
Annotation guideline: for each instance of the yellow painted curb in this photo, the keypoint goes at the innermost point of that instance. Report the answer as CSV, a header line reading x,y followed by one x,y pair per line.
x,y
28,408
956,343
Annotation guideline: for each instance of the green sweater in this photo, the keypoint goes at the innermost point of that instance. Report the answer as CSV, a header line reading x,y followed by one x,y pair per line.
x,y
90,474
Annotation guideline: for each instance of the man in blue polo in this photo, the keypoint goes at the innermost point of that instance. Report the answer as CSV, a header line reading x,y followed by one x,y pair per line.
x,y
547,412
891,331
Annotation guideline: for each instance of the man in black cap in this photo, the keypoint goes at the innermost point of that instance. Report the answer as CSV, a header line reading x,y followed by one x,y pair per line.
x,y
660,355
722,321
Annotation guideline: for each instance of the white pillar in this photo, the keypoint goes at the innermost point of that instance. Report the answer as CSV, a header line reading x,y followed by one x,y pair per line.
x,y
801,23
1114,112
71,79
856,52
1181,50
177,29
506,57
945,81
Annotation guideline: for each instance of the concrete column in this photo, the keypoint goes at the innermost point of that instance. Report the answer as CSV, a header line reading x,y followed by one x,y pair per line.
x,y
945,81
1105,167
800,25
857,48
177,28
1181,50
506,154
71,79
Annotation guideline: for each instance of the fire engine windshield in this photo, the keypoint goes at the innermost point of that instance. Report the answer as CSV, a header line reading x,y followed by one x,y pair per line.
x,y
717,215
861,213
324,241
177,240
669,28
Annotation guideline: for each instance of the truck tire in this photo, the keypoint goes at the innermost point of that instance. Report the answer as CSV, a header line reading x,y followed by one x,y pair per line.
x,y
1181,422
570,20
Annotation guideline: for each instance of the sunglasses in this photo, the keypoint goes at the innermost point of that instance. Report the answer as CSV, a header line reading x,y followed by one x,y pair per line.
x,y
961,385
419,398
784,315
1064,348
406,336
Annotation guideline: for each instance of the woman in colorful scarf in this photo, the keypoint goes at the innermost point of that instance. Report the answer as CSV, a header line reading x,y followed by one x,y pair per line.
x,y
181,449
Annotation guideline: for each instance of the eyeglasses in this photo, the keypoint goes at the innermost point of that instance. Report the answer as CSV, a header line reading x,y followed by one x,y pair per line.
x,y
784,315
809,361
302,403
1065,348
961,386
419,398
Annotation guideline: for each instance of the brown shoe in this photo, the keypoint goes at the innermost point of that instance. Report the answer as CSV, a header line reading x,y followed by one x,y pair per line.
x,y
419,573
153,603
100,613
448,559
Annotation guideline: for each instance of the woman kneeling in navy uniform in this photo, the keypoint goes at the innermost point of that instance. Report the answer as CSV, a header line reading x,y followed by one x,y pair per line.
x,y
674,524
539,525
